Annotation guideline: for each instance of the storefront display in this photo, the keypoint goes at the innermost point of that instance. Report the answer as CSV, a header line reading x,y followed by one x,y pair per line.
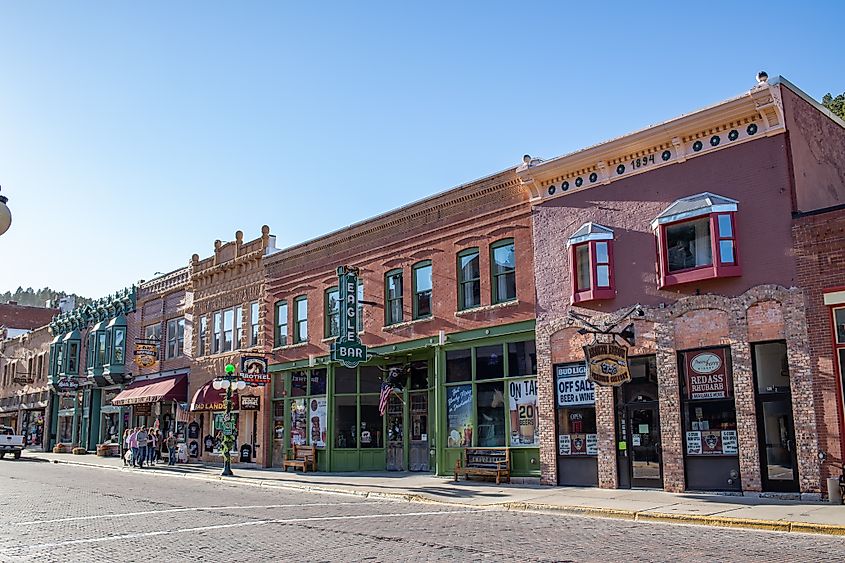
x,y
577,440
522,402
459,416
709,414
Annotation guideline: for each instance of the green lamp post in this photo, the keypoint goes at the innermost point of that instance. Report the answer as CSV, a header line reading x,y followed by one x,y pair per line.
x,y
229,382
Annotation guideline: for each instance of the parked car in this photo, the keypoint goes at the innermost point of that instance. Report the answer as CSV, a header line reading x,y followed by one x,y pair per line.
x,y
10,442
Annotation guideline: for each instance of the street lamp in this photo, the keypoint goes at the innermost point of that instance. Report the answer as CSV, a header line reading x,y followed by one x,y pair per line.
x,y
5,215
229,382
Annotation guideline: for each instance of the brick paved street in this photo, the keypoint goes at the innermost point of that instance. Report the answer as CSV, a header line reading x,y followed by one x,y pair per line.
x,y
71,513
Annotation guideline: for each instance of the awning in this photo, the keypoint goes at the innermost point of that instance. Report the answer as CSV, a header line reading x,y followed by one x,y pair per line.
x,y
168,388
207,398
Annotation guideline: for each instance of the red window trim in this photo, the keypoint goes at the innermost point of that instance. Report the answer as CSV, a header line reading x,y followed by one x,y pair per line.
x,y
837,368
717,269
593,293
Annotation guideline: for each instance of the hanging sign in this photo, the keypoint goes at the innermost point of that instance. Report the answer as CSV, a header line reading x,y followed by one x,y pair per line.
x,y
607,363
250,402
67,383
254,370
573,387
707,375
146,353
347,349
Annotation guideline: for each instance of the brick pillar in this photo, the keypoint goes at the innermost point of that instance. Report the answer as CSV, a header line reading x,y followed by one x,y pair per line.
x,y
803,400
546,405
746,415
606,428
670,409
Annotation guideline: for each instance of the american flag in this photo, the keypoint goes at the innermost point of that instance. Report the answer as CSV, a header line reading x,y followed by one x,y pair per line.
x,y
386,390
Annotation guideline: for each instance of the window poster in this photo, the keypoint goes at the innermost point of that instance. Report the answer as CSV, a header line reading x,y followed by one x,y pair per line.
x,y
573,387
694,443
729,442
459,416
707,375
317,417
298,419
522,395
712,442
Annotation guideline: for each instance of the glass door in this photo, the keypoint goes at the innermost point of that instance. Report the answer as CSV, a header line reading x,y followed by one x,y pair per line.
x,y
644,439
395,434
419,431
777,445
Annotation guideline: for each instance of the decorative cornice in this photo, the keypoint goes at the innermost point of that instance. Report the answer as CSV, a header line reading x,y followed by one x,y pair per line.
x,y
756,114
121,302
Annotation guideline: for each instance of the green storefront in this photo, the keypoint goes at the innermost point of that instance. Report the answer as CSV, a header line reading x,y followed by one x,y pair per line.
x,y
475,388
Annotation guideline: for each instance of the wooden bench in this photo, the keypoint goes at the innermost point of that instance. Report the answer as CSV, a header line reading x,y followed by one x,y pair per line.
x,y
487,462
303,457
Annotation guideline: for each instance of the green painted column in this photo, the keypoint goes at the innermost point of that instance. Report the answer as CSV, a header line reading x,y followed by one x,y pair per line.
x,y
94,418
53,436
439,423
77,413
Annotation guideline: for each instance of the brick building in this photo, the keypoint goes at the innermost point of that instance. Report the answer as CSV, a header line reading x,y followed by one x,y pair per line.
x,y
159,335
24,391
445,290
684,230
820,252
19,319
228,297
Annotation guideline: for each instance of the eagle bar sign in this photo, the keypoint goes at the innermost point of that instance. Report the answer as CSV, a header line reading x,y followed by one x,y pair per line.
x,y
347,349
607,363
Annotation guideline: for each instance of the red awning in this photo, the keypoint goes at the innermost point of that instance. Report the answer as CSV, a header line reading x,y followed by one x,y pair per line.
x,y
207,398
167,388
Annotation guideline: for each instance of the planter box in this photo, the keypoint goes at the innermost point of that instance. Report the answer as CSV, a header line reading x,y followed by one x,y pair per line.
x,y
108,450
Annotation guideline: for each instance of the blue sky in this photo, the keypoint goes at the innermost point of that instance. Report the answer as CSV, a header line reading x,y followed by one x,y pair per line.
x,y
133,135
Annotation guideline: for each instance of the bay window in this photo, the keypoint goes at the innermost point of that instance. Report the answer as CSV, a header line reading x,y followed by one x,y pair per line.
x,y
697,239
591,263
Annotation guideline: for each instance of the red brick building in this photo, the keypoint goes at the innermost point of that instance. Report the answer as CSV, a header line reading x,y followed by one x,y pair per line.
x,y
446,297
685,230
18,319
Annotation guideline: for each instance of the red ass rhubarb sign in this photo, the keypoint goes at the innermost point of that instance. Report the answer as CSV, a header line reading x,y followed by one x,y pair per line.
x,y
707,375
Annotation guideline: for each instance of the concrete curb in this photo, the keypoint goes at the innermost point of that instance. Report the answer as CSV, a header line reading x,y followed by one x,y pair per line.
x,y
595,512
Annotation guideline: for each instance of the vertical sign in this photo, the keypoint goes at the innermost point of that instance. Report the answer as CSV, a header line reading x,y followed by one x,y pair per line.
x,y
347,349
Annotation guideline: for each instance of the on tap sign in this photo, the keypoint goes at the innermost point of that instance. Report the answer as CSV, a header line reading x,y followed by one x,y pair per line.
x,y
347,349
707,374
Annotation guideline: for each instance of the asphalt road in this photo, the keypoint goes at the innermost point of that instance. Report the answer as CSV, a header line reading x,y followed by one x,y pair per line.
x,y
70,513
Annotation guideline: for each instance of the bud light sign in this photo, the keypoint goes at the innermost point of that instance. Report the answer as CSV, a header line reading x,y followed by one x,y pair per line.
x,y
573,387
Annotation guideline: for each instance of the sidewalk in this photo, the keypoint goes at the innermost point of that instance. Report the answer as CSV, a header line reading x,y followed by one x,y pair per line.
x,y
643,505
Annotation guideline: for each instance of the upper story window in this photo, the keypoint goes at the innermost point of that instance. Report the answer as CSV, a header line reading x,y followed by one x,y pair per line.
x,y
591,263
469,279
203,334
217,331
239,327
116,341
360,306
503,264
697,239
422,289
332,313
253,324
281,332
175,337
300,319
393,297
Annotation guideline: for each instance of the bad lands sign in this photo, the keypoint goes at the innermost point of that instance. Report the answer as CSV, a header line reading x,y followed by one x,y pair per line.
x,y
707,375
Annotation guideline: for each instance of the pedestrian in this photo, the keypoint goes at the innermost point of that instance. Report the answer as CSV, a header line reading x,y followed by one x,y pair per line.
x,y
124,445
151,447
143,439
133,446
171,449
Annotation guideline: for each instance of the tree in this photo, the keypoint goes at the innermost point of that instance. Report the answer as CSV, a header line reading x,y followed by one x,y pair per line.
x,y
836,105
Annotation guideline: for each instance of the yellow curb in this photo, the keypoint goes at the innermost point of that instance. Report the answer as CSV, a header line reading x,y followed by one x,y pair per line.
x,y
576,510
720,521
809,528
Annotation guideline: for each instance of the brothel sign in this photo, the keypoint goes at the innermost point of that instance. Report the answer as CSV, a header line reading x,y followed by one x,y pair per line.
x,y
607,363
707,374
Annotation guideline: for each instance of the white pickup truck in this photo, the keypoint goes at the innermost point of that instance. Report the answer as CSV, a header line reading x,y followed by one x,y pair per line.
x,y
10,442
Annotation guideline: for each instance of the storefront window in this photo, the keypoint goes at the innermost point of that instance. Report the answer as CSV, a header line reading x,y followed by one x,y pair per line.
x,y
346,421
371,422
110,427
298,383
522,404
522,358
318,382
489,362
298,423
709,411
218,433
345,380
490,414
458,365
65,429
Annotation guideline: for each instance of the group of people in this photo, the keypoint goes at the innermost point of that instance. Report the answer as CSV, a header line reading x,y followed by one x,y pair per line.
x,y
141,444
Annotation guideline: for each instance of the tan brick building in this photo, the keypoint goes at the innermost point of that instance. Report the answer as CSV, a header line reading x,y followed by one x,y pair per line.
x,y
24,385
685,231
226,324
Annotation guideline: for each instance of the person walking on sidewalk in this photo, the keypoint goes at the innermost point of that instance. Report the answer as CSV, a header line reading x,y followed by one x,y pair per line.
x,y
171,449
124,446
143,439
133,446
151,447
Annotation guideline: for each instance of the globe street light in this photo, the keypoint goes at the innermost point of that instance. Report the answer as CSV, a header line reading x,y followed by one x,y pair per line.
x,y
229,382
5,215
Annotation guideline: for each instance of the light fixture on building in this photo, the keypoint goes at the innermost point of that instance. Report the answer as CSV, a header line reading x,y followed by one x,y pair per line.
x,y
762,77
5,215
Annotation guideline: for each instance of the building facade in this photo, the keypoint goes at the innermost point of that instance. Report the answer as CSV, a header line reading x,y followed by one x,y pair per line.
x,y
684,232
227,318
160,332
24,387
445,292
